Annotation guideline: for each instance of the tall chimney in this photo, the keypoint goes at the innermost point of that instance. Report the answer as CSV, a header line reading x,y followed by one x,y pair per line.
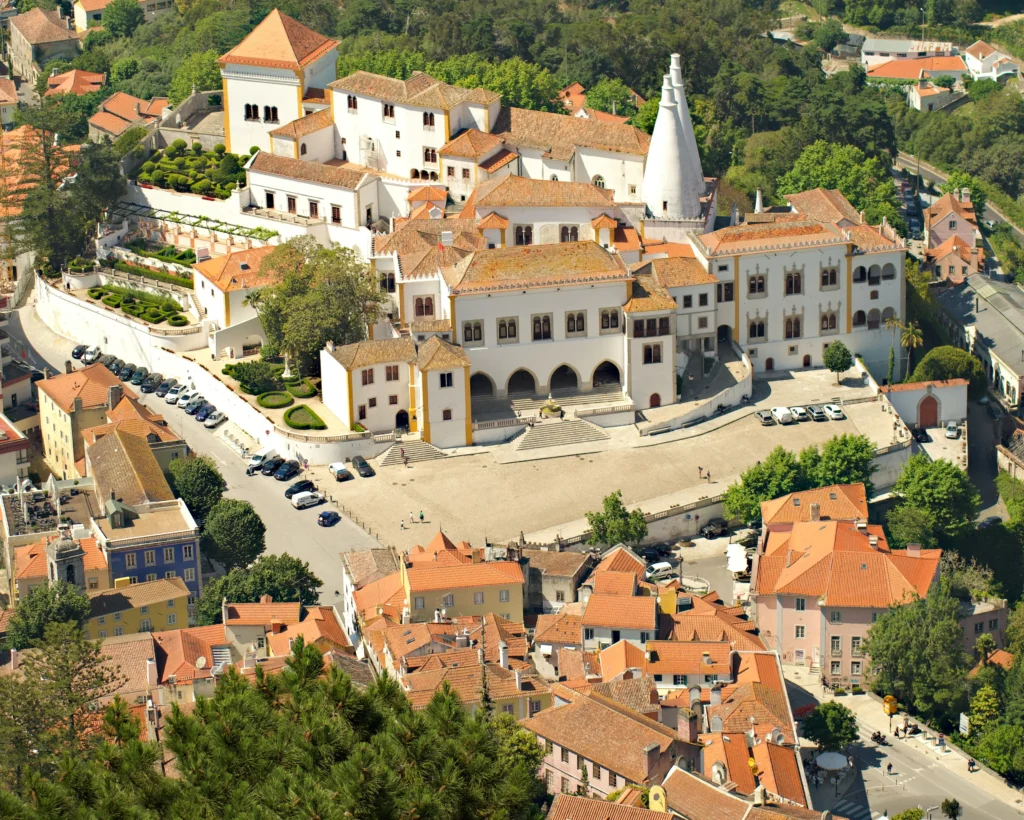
x,y
447,237
651,754
519,681
480,655
873,542
151,674
114,395
914,549
224,610
758,203
503,655
815,512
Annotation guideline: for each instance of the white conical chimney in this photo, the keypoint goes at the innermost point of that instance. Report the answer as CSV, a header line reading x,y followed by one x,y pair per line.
x,y
758,203
691,156
668,190
734,216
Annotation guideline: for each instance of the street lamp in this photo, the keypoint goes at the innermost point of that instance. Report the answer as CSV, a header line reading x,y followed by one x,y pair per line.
x,y
922,25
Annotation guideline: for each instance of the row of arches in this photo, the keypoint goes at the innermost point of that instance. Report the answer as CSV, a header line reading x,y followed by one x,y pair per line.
x,y
524,383
873,319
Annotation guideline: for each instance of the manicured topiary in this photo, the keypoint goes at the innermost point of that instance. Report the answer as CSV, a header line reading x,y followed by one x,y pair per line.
x,y
301,417
177,320
95,293
274,400
301,389
219,148
149,167
112,300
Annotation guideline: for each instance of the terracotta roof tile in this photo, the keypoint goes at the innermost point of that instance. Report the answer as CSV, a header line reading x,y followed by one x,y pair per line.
x,y
837,502
365,566
419,249
471,144
575,664
377,351
621,559
128,655
498,161
318,172
575,807
824,205
492,220
522,192
30,560
618,612
320,627
731,750
948,204
184,647
133,596
437,354
638,694
559,136
1000,657
911,69
428,193
980,49
263,614
279,42
614,583
39,27
125,465
429,578
688,658
239,270
420,90
562,564
558,629
304,126
92,384
648,295
377,593
779,771
604,116
620,657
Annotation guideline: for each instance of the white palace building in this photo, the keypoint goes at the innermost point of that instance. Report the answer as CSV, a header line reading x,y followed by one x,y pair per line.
x,y
528,252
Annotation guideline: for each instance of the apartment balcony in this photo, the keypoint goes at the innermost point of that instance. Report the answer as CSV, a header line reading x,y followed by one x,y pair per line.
x,y
857,652
836,653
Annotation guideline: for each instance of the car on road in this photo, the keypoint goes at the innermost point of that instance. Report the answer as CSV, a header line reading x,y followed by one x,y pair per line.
x,y
833,411
139,376
79,351
816,413
342,474
991,521
151,382
952,430
92,354
659,570
186,395
203,413
194,406
270,465
215,419
174,394
362,467
126,372
799,413
304,486
287,471
165,387
782,415
654,553
714,528
328,518
921,436
116,365
337,467
765,417
302,500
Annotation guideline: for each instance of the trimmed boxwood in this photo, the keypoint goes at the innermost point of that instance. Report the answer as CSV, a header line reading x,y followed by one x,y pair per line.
x,y
301,390
274,400
180,281
112,300
177,320
95,293
301,417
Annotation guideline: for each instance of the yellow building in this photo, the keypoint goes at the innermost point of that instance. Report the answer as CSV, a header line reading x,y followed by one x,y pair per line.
x,y
456,579
69,404
151,606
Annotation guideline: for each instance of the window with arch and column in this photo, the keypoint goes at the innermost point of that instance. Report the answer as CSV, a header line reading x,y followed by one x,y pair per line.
x,y
428,119
598,181
270,113
575,323
829,278
387,282
524,234
793,327
508,330
794,283
756,329
472,333
874,319
756,285
541,327
424,306
252,112
860,274
828,321
430,155
860,318
569,233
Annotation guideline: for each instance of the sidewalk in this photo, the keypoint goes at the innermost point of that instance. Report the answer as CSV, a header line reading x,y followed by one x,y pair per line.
x,y
871,718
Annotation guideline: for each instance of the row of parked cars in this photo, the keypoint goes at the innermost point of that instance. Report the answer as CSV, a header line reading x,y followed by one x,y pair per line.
x,y
792,415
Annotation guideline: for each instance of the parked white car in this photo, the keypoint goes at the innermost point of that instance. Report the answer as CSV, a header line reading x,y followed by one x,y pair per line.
x,y
834,412
782,415
186,396
799,413
952,430
336,468
91,355
175,393
215,418
302,500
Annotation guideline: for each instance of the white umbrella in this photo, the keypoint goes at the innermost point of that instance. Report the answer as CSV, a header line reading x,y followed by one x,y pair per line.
x,y
737,563
735,549
833,761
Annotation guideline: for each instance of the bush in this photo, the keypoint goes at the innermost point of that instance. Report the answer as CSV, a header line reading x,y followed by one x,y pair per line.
x,y
197,148
274,400
157,176
177,320
180,281
301,389
203,186
301,417
253,150
219,148
148,167
95,293
255,378
112,300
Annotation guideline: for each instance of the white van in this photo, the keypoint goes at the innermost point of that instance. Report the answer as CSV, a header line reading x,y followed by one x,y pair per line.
x,y
302,500
258,458
782,415
662,569
91,355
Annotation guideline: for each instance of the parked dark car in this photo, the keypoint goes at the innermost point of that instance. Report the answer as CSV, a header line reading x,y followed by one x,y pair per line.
x,y
271,465
991,521
288,470
653,554
714,528
106,360
165,387
921,436
341,474
303,486
79,351
361,467
328,518
140,376
126,372
203,413
151,382
115,365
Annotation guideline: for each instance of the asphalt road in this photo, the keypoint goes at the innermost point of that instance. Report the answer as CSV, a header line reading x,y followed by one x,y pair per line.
x,y
288,530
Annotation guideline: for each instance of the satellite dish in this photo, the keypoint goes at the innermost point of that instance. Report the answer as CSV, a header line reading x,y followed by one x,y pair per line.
x,y
200,662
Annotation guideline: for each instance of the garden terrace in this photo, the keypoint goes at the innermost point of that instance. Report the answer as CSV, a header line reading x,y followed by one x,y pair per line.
x,y
131,210
145,307
177,167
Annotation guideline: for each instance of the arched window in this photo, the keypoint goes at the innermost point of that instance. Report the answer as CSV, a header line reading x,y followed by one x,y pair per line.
x,y
419,305
546,327
580,323
433,176
828,277
598,181
429,155
756,284
874,319
888,313
860,273
428,119
536,328
793,328
554,177
273,113
831,321
860,319
428,306
570,233
570,323
302,150
70,573
793,283
387,282
757,330
266,113
824,322
248,112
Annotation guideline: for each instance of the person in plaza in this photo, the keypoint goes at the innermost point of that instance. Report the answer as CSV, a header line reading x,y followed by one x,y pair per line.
x,y
700,472
970,765
888,769
421,516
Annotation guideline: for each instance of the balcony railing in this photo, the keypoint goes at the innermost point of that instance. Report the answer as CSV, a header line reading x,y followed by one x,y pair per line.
x,y
837,653
857,652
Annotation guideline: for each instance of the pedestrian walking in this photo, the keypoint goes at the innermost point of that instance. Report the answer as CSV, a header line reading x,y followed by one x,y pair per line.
x,y
421,516
709,476
411,520
405,460
700,472
403,452
970,765
888,769
401,523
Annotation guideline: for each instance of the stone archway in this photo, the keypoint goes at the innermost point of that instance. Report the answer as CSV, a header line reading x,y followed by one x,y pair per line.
x,y
402,420
481,386
607,373
564,378
928,412
522,383
655,400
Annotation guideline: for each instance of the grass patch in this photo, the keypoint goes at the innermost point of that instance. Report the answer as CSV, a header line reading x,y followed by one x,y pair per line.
x,y
275,400
301,389
301,417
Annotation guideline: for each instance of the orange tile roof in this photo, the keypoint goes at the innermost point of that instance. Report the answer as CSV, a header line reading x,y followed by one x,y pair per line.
x,y
131,417
980,49
522,192
467,681
626,239
320,627
654,248
263,614
560,137
8,92
759,236
75,81
437,354
375,351
184,647
688,658
304,126
837,502
492,221
378,593
604,116
575,807
39,27
999,657
619,612
279,42
648,294
319,172
904,387
30,560
731,750
604,221
911,69
620,657
428,193
91,384
779,771
127,656
676,272
471,143
239,270
430,578
559,629
498,161
133,596
621,559
824,205
120,111
419,248
601,730
614,583
574,97
947,204
420,90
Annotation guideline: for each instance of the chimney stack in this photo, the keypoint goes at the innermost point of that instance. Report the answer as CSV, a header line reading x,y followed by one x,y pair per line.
x,y
651,755
503,655
873,542
138,112
519,681
716,695
758,203
480,655
965,195
815,512
914,550
266,599
447,237
152,680
114,395
223,601
249,661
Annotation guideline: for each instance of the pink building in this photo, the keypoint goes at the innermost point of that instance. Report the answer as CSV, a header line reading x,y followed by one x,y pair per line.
x,y
819,585
951,216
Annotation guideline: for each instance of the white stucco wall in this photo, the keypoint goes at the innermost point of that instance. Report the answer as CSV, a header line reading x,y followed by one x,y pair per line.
x,y
952,402
259,86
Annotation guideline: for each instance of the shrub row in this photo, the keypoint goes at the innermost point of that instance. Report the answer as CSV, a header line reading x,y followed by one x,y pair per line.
x,y
112,300
275,400
177,320
301,417
96,293
301,389
180,281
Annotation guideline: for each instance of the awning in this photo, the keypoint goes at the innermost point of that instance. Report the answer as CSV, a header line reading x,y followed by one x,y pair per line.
x,y
737,563
735,549
833,761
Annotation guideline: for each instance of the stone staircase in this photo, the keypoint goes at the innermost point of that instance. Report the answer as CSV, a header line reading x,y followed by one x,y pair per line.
x,y
415,450
555,433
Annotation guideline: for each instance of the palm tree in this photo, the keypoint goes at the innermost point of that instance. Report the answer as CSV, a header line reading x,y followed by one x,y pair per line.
x,y
892,323
910,339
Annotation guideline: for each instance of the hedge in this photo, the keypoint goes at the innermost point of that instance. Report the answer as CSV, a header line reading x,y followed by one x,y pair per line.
x,y
301,417
112,300
180,281
301,390
274,400
96,293
177,320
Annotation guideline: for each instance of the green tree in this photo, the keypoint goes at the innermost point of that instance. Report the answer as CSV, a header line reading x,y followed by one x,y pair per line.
x,y
941,491
1002,749
612,96
909,814
45,604
908,525
124,69
985,709
957,181
199,72
968,579
829,34
236,532
516,744
198,483
846,459
282,577
614,524
838,359
255,377
645,117
951,808
831,725
122,17
911,338
777,475
917,654
120,726
948,362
